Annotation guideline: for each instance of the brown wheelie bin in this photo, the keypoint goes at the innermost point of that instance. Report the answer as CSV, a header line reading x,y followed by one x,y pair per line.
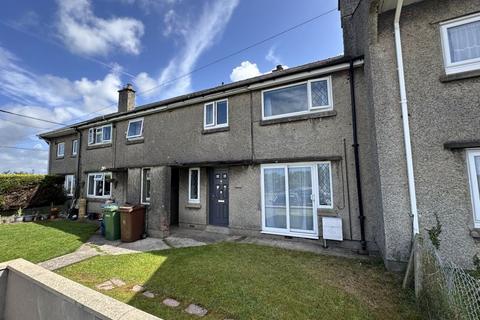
x,y
132,222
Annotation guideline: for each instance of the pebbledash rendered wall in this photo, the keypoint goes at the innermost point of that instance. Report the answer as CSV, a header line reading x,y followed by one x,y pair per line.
x,y
439,112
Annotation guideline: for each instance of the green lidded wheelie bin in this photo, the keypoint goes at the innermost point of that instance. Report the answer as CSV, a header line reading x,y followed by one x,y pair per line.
x,y
111,219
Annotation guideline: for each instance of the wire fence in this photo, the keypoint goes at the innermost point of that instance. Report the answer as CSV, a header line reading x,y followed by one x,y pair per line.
x,y
446,290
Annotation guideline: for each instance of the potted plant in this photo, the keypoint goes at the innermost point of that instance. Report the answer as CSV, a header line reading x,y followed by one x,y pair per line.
x,y
54,212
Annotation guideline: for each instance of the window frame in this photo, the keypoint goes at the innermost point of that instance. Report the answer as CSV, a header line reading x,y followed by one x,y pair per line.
x,y
214,125
190,200
138,136
58,150
95,131
460,66
474,186
74,147
311,109
147,200
103,196
320,206
65,185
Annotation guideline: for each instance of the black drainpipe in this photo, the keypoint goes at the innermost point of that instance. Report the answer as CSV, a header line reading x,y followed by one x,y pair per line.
x,y
79,152
357,158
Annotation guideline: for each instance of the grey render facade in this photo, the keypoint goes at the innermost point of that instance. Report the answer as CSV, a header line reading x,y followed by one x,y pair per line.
x,y
242,170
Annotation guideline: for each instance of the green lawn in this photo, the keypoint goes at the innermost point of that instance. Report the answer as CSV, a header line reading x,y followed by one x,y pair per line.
x,y
42,241
243,281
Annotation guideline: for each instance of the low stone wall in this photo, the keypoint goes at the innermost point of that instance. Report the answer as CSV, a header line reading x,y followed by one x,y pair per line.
x,y
30,292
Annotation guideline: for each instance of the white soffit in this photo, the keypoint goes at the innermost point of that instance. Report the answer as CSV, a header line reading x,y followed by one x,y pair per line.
x,y
386,5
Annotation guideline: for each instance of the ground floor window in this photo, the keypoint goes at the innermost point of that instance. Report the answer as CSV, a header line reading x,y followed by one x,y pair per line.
x,y
99,185
291,195
69,184
194,185
146,186
474,173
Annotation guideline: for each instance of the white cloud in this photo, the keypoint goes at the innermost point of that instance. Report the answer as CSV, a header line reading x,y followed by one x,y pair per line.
x,y
84,33
244,71
198,36
48,97
273,58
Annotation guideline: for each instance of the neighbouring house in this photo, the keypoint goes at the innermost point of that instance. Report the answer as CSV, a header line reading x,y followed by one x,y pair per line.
x,y
384,141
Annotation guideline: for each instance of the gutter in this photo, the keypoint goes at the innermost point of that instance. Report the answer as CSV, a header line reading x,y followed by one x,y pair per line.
x,y
406,126
361,214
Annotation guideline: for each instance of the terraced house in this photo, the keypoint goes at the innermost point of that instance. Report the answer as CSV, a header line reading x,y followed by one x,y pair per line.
x,y
385,137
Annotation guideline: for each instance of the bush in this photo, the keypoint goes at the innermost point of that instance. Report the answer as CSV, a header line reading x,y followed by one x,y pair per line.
x,y
9,182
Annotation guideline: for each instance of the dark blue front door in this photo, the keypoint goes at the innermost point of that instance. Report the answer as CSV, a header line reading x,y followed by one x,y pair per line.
x,y
218,202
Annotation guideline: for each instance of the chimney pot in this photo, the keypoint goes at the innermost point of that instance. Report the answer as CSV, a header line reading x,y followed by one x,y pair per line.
x,y
278,68
126,98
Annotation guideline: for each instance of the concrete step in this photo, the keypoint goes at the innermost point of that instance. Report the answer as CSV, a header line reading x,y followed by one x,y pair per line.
x,y
217,229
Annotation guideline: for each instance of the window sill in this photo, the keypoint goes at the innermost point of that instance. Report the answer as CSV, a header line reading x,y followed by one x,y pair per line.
x,y
193,206
99,146
59,158
459,76
324,212
97,199
215,130
313,115
135,140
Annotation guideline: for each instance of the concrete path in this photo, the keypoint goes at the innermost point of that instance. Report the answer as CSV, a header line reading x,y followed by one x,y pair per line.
x,y
97,245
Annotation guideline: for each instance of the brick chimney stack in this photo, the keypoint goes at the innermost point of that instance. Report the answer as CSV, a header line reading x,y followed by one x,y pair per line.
x,y
126,98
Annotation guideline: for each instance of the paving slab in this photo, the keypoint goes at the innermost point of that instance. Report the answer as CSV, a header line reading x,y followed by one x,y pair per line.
x,y
107,285
83,253
117,282
171,302
137,288
149,294
196,310
177,242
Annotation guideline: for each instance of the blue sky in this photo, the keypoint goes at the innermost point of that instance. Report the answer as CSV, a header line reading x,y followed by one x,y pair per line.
x,y
65,60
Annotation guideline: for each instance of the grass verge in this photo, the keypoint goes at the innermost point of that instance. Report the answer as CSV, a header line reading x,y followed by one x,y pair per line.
x,y
244,281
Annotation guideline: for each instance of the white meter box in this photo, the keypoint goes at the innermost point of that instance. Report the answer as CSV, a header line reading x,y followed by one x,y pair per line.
x,y
332,228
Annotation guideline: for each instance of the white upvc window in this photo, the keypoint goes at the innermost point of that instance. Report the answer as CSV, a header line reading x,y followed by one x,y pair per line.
x,y
69,184
215,114
297,99
99,185
194,185
61,150
473,159
135,129
100,135
145,189
291,195
74,147
461,44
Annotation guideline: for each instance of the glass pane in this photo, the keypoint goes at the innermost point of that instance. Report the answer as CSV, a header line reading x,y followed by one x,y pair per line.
x,y
209,114
107,133
222,112
146,185
99,188
300,196
464,41
194,184
319,93
99,136
135,129
91,184
275,203
286,100
477,166
325,194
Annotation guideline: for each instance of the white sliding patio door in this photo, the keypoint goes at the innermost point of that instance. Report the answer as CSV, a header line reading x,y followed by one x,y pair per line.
x,y
288,199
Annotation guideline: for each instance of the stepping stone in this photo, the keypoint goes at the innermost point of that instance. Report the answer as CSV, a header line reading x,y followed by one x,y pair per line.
x,y
117,282
171,302
196,310
107,285
137,288
149,294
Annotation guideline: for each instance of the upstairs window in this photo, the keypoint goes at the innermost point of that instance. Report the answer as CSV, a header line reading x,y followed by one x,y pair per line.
x,y
61,150
135,129
74,147
69,184
216,114
99,185
100,135
145,186
297,99
461,44
194,185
